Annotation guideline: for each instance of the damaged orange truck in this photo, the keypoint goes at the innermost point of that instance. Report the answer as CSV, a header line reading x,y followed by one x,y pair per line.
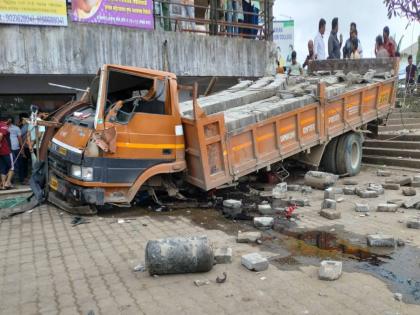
x,y
129,132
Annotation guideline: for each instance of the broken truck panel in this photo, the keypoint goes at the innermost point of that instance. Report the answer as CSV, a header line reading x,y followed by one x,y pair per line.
x,y
132,128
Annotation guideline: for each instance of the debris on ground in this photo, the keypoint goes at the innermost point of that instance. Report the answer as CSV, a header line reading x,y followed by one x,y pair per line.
x,y
330,270
350,182
248,237
329,193
403,180
391,186
79,220
221,279
279,191
365,193
265,209
200,283
413,223
411,203
331,214
232,207
179,255
223,255
409,191
387,207
263,222
383,173
293,187
398,297
320,180
361,207
376,187
301,202
329,204
254,262
349,190
380,240
140,268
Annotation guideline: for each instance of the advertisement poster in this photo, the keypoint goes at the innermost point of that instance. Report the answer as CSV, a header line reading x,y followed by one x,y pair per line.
x,y
131,13
283,35
33,12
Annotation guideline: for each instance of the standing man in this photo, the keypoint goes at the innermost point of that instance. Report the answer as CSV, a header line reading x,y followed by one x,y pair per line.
x,y
6,171
389,43
319,44
410,75
347,49
334,45
311,55
16,143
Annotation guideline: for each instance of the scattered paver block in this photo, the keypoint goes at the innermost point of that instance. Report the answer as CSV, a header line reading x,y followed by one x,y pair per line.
x,y
415,184
338,190
380,240
341,199
403,180
413,223
301,202
263,222
223,255
391,186
349,190
361,207
320,180
376,187
398,202
293,187
398,296
350,182
416,179
254,262
248,237
265,209
387,207
411,203
383,173
409,191
331,214
329,193
364,193
278,203
330,270
232,203
329,204
306,189
280,191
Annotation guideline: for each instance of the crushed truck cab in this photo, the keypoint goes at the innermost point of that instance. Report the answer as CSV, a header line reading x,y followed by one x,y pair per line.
x,y
129,132
103,154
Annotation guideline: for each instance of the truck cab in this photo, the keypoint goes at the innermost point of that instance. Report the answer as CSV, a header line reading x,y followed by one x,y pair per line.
x,y
129,131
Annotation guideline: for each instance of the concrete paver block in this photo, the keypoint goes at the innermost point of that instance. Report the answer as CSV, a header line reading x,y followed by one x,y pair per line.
x,y
329,204
409,191
380,240
413,223
232,203
330,270
383,173
329,193
293,187
248,237
391,186
223,255
280,191
331,214
254,262
362,207
387,207
263,222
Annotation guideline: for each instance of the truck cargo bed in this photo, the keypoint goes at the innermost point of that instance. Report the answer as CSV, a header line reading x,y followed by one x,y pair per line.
x,y
255,124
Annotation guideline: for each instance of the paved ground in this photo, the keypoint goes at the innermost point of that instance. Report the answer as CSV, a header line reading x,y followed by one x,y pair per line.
x,y
49,267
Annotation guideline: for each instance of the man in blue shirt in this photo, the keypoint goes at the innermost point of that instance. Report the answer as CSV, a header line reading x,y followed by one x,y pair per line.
x,y
334,45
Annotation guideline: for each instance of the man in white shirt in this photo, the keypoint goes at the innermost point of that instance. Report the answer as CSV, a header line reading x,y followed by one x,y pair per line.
x,y
319,44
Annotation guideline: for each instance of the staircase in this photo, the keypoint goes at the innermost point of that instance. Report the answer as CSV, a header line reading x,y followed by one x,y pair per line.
x,y
392,149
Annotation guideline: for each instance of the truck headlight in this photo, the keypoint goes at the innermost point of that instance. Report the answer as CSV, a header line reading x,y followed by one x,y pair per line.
x,y
87,173
76,171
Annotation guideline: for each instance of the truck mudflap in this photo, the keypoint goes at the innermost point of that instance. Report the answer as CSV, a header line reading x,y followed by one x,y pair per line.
x,y
73,198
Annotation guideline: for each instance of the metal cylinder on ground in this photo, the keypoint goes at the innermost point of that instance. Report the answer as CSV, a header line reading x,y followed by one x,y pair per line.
x,y
179,255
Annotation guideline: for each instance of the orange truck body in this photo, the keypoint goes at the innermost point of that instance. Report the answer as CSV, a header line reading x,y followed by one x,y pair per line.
x,y
148,144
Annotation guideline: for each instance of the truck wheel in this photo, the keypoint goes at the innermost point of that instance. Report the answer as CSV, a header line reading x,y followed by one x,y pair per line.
x,y
328,161
349,154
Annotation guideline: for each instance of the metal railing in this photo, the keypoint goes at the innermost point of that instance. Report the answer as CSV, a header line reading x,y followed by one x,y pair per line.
x,y
232,21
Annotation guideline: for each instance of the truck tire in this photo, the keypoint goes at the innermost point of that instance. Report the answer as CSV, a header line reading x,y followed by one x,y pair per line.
x,y
349,154
328,161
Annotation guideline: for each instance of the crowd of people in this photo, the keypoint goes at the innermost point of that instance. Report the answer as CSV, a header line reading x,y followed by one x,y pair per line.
x,y
17,150
336,48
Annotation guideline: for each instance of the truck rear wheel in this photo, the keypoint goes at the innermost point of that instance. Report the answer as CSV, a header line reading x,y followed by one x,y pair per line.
x,y
328,161
349,154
